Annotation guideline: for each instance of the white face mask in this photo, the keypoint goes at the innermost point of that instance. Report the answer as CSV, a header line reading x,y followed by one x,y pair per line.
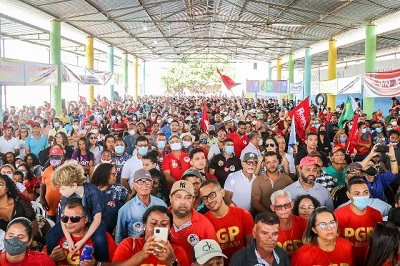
x,y
94,131
176,146
260,143
131,132
393,123
56,124
75,126
186,143
170,120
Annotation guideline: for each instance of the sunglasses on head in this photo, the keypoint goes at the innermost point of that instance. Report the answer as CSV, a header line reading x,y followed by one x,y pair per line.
x,y
73,219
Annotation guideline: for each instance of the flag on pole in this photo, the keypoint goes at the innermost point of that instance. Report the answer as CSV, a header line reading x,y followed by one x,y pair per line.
x,y
228,82
292,137
348,111
301,117
352,135
205,120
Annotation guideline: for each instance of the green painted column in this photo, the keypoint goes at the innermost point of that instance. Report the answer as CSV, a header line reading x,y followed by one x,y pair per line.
x,y
110,62
307,72
291,74
270,67
125,71
55,58
1,87
144,77
370,56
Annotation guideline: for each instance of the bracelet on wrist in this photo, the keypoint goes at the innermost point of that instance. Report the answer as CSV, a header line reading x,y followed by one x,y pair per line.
x,y
393,160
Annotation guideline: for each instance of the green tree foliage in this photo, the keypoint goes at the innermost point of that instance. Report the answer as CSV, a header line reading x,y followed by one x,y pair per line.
x,y
195,75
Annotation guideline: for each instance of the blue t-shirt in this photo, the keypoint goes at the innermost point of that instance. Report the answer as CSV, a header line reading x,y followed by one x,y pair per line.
x,y
114,198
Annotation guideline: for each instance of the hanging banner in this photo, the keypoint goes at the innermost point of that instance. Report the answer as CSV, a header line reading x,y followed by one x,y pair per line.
x,y
85,76
349,85
328,86
382,84
40,74
252,85
297,87
11,72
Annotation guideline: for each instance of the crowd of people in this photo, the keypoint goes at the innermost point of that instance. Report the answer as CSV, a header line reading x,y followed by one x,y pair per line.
x,y
150,183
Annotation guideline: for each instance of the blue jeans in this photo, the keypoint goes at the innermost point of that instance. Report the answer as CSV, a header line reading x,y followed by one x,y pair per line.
x,y
99,240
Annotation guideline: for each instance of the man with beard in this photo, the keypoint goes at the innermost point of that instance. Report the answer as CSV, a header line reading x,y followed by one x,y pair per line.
x,y
233,225
268,183
307,185
189,226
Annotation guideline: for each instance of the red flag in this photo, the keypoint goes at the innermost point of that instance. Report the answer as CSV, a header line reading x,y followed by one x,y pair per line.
x,y
352,135
228,82
301,116
205,120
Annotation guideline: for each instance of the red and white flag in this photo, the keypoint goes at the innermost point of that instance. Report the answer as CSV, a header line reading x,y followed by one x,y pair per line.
x,y
205,120
301,118
228,82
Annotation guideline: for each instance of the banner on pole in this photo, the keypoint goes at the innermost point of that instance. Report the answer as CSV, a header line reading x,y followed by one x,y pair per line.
x,y
11,72
349,85
37,74
297,87
328,86
382,84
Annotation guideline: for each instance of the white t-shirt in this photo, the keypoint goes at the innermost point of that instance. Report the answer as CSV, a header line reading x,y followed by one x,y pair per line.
x,y
240,186
130,167
8,145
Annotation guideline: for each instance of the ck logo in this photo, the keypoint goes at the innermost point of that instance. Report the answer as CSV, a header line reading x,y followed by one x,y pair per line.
x,y
207,247
182,185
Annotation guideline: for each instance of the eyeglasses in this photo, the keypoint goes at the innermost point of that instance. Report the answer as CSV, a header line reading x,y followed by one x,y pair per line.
x,y
210,196
331,224
310,208
251,163
93,138
140,182
73,219
285,206
269,145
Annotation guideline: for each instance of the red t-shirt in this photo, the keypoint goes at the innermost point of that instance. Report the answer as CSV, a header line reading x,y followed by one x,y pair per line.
x,y
130,246
177,166
239,142
357,229
308,255
232,229
74,258
200,228
32,258
290,240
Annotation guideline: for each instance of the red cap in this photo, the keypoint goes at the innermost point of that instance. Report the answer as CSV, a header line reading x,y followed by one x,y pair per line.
x,y
308,160
56,151
36,124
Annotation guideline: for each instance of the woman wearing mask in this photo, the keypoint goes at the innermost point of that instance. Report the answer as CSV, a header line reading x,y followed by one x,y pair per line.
x,y
75,134
379,135
187,142
119,125
18,237
94,147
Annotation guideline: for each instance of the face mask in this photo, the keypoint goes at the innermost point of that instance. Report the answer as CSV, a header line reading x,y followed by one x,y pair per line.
x,y
343,139
9,176
55,162
133,118
75,126
142,150
56,124
393,123
186,143
378,130
14,246
322,132
316,125
131,132
161,144
119,149
170,120
203,141
87,127
229,149
371,171
95,131
104,161
273,128
23,173
260,142
176,146
364,130
159,121
361,202
41,124
389,128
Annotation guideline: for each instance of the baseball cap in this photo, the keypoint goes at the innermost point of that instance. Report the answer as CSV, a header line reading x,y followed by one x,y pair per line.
x,y
336,149
353,167
56,151
227,119
188,134
182,185
250,156
308,160
141,174
36,124
192,172
207,249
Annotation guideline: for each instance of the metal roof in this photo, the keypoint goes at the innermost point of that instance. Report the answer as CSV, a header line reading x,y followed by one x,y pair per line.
x,y
261,30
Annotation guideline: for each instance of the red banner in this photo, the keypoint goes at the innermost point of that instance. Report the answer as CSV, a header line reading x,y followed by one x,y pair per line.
x,y
382,84
301,116
205,120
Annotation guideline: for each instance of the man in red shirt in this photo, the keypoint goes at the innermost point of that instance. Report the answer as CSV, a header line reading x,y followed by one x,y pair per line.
x,y
357,220
189,226
240,140
291,227
233,225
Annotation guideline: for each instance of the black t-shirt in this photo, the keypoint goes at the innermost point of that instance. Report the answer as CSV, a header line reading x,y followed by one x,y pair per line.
x,y
303,153
223,167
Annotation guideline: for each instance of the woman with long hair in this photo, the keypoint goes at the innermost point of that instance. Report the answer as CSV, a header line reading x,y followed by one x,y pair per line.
x,y
271,144
62,140
83,156
384,245
34,164
109,143
322,246
75,134
113,194
94,147
23,134
304,205
29,180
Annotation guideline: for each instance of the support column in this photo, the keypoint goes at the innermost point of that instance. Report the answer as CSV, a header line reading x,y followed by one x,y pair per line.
x,y
370,56
144,77
135,78
110,62
291,74
332,58
55,58
90,64
270,67
307,73
125,71
1,87
279,69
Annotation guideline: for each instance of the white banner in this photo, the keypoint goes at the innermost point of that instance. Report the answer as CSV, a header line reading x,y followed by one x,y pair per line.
x,y
314,87
11,72
40,74
328,86
349,85
297,87
84,75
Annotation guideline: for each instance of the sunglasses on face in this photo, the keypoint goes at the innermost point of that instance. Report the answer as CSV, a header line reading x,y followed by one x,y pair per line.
x,y
285,206
73,219
269,145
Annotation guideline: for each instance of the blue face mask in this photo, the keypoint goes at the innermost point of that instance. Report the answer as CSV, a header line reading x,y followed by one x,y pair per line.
x,y
142,150
378,130
343,139
361,202
161,144
229,149
119,149
316,126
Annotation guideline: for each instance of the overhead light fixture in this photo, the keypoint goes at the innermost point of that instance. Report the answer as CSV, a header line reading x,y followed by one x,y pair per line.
x,y
145,27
